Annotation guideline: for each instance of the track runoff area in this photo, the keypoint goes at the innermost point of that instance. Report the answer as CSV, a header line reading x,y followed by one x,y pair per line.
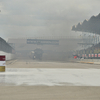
x,y
34,73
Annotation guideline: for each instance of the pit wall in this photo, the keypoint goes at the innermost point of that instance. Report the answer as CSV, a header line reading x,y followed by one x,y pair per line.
x,y
9,56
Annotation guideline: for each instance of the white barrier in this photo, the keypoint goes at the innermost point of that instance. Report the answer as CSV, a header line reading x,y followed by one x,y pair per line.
x,y
9,56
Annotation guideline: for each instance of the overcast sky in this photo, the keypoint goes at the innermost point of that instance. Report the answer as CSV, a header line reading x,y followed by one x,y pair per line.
x,y
31,18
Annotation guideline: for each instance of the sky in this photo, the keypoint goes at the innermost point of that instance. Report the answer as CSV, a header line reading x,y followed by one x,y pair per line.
x,y
43,18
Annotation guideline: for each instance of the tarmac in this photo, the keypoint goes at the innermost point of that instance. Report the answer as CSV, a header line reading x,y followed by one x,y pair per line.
x,y
50,77
62,81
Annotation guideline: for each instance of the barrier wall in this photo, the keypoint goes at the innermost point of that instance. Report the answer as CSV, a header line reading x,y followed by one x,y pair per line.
x,y
9,56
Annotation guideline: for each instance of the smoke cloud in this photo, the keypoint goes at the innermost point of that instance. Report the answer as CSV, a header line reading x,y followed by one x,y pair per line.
x,y
29,18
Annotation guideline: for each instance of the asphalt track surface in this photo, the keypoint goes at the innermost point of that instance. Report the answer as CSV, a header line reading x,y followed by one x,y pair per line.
x,y
33,80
